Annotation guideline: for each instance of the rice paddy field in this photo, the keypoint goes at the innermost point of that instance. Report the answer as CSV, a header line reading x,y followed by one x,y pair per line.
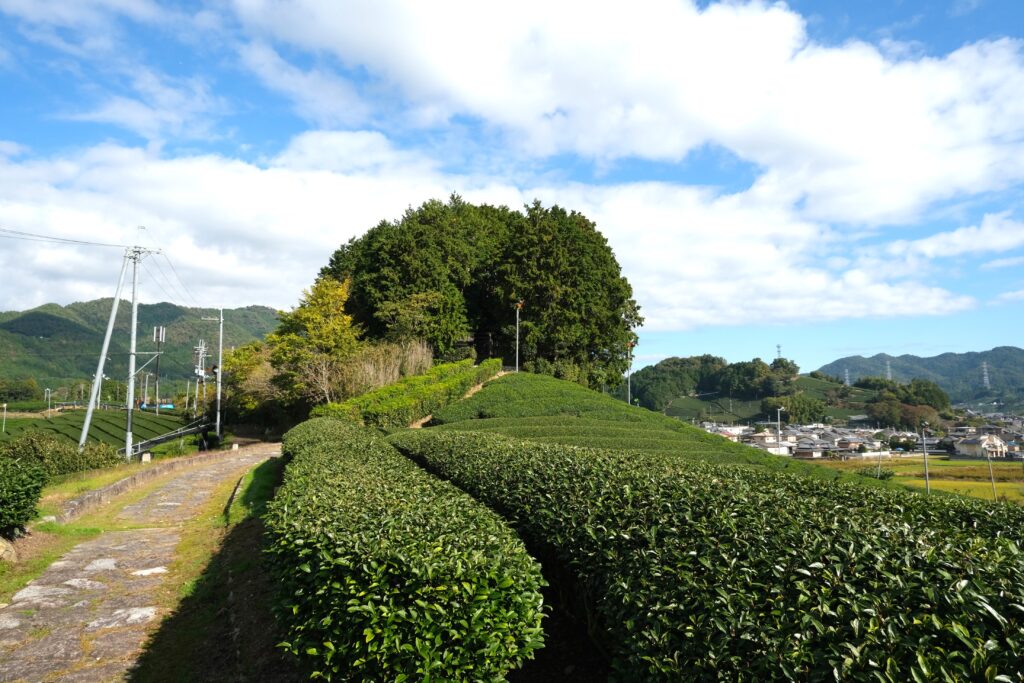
x,y
963,477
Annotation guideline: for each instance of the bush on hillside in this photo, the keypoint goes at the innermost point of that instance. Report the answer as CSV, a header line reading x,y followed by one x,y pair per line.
x,y
399,404
387,573
59,456
700,572
21,483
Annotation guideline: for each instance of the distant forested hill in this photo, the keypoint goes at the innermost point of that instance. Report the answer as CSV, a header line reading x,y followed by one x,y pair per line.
x,y
55,343
959,374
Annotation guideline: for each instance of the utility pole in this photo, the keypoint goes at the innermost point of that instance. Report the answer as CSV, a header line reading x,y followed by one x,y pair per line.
x,y
924,445
629,373
220,362
188,387
145,388
159,336
519,307
4,431
97,380
778,428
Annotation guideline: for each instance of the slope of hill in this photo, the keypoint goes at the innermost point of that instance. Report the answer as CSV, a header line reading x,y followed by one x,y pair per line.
x,y
959,374
549,410
53,343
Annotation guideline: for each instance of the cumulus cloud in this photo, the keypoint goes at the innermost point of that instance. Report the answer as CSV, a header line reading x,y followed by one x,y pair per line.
x,y
855,133
695,258
1009,262
319,95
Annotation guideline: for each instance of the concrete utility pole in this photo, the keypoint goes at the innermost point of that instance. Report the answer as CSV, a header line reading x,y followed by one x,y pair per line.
x,y
519,307
629,373
220,363
97,380
159,336
778,428
924,445
4,430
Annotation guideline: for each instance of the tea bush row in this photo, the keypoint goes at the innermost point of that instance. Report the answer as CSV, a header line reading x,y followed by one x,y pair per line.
x,y
21,482
58,456
388,573
694,571
399,404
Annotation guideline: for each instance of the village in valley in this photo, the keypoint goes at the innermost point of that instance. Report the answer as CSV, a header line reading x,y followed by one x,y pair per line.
x,y
1001,437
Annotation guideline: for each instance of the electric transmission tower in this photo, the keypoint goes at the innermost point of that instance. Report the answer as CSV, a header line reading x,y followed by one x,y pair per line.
x,y
888,369
778,351
847,377
984,376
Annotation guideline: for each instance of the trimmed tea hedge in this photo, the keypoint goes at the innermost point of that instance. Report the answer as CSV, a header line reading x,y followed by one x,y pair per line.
x,y
21,483
59,456
702,572
398,405
390,574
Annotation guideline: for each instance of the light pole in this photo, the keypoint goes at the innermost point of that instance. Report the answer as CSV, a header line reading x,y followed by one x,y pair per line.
x,y
519,307
49,394
5,419
778,427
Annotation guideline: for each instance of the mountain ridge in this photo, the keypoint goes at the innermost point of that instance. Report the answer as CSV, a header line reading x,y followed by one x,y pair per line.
x,y
54,342
959,374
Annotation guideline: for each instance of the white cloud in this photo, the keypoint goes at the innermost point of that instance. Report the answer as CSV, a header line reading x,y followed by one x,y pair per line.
x,y
349,152
997,232
11,149
182,108
1009,297
1009,262
319,95
243,233
856,133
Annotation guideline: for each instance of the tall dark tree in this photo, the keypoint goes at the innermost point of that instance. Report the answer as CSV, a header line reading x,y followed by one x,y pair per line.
x,y
449,272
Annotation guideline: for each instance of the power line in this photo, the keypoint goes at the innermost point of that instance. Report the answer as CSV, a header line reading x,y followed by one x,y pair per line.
x,y
35,237
180,281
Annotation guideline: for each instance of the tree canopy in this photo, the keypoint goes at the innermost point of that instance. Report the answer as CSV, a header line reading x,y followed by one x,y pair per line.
x,y
655,386
452,273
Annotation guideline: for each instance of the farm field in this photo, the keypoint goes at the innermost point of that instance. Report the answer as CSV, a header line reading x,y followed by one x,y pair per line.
x,y
691,557
107,426
964,477
548,410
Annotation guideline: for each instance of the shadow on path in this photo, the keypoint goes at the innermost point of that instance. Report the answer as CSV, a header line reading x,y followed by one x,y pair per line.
x,y
223,631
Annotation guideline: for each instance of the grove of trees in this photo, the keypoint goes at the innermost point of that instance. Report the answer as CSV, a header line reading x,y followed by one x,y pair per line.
x,y
655,386
451,273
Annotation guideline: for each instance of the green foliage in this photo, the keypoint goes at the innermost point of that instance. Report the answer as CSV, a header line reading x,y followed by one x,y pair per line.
x,y
399,404
311,342
797,408
450,271
689,571
107,426
545,409
386,573
658,385
19,390
58,456
875,472
21,483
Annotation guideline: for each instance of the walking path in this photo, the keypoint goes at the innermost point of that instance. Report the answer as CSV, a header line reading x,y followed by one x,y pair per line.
x,y
87,616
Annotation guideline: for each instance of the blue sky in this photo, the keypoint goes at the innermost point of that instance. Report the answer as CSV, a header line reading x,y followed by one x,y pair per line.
x,y
838,178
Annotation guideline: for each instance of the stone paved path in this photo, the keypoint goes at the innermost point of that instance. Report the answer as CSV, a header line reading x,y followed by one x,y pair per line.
x,y
87,616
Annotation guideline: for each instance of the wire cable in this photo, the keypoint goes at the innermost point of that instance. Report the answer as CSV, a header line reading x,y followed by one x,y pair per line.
x,y
180,281
35,237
